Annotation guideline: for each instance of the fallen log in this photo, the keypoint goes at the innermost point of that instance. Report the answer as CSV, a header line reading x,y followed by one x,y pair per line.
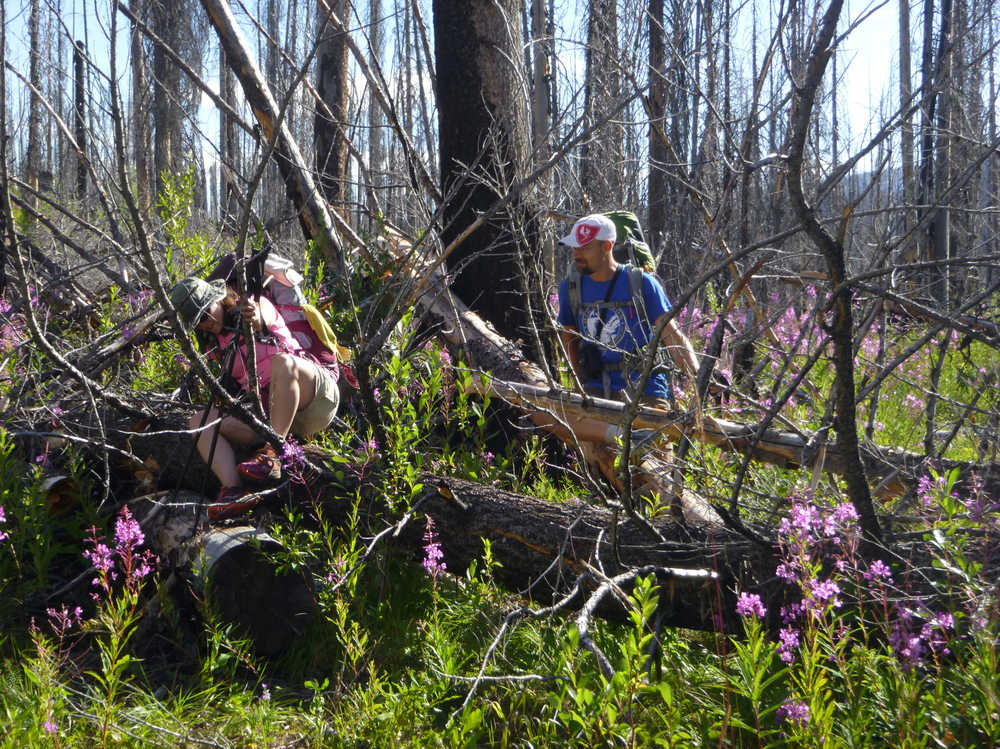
x,y
541,547
520,382
232,567
893,471
544,548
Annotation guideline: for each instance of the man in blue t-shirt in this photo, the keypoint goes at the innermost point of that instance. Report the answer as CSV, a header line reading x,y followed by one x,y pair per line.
x,y
609,322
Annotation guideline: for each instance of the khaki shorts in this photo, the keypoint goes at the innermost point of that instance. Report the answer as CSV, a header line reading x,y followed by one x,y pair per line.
x,y
317,416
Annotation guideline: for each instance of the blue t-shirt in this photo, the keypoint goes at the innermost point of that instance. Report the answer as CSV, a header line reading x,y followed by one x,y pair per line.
x,y
626,329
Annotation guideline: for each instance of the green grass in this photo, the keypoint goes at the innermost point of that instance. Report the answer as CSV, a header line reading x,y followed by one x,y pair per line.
x,y
392,653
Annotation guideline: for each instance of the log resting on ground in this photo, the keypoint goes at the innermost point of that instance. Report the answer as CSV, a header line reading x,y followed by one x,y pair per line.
x,y
542,547
519,381
232,565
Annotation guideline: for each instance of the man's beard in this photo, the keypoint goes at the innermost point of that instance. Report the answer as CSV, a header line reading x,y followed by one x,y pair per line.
x,y
585,270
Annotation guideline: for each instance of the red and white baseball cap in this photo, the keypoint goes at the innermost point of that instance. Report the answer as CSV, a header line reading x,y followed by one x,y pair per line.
x,y
589,228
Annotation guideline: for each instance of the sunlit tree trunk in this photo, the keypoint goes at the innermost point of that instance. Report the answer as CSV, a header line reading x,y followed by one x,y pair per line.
x,y
331,83
140,109
376,143
541,123
927,105
229,153
940,228
906,130
842,325
33,157
658,198
166,18
602,156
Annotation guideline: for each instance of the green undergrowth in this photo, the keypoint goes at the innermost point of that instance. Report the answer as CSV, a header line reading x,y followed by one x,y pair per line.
x,y
101,645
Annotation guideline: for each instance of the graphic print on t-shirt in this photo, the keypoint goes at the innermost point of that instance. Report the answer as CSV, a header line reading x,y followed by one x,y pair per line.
x,y
614,326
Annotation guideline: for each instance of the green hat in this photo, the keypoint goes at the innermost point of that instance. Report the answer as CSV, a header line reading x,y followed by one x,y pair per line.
x,y
192,297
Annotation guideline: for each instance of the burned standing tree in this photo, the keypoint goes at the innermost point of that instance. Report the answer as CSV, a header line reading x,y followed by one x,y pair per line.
x,y
842,327
602,159
331,83
484,147
482,101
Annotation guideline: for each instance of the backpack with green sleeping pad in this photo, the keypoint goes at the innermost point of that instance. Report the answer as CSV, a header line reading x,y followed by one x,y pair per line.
x,y
630,246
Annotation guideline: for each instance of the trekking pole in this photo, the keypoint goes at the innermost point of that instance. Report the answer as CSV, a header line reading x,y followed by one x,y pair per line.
x,y
230,356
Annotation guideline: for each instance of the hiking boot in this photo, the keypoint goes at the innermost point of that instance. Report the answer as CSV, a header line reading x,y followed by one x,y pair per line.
x,y
232,502
264,466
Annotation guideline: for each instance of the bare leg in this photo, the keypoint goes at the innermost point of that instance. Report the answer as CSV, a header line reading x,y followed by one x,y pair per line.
x,y
231,431
293,386
586,430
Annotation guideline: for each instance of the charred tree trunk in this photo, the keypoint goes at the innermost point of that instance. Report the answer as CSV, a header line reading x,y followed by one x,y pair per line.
x,y
33,157
658,197
484,148
80,120
331,83
602,158
229,155
842,329
140,116
166,19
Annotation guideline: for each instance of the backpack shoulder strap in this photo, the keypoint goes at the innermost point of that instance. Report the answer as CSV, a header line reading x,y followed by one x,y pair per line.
x,y
635,288
573,290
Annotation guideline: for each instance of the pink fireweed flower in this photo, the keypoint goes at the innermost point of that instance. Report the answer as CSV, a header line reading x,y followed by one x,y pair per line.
x,y
128,533
50,727
128,538
64,619
794,711
134,564
750,605
293,460
844,514
801,523
824,593
914,404
3,519
792,612
877,571
786,572
293,457
433,556
100,556
788,643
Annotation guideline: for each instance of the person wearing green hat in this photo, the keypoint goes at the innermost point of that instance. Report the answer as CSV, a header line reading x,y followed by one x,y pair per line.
x,y
298,394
